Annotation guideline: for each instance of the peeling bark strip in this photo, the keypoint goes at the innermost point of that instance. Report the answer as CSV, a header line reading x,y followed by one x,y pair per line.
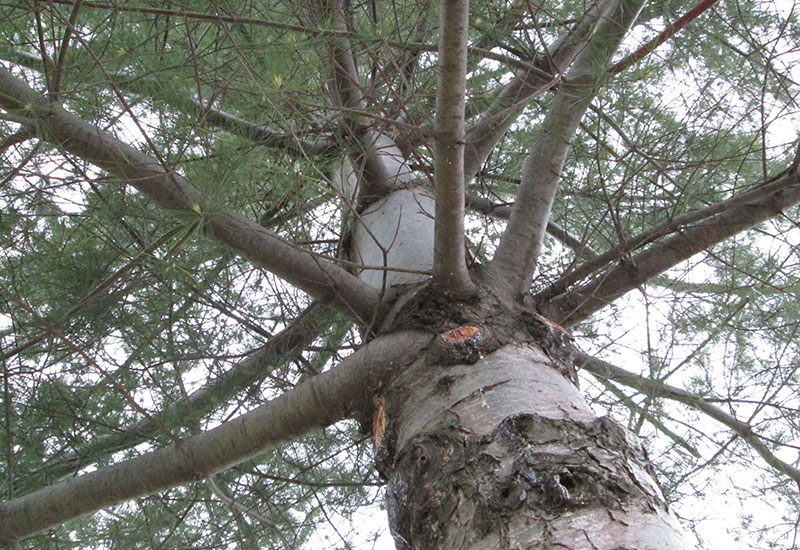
x,y
519,462
378,421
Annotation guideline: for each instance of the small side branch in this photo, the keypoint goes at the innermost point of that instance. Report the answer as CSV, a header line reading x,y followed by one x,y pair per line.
x,y
294,143
58,69
476,203
663,36
605,370
238,507
449,264
379,160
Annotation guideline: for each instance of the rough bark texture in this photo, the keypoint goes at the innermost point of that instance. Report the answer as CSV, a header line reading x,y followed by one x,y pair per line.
x,y
484,439
491,445
505,453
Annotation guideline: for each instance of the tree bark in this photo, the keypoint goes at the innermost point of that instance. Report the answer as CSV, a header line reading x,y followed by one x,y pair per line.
x,y
449,265
505,453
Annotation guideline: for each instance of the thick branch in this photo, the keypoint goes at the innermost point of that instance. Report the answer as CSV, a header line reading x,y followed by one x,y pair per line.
x,y
579,303
515,260
319,277
449,265
317,403
657,231
380,163
604,369
281,348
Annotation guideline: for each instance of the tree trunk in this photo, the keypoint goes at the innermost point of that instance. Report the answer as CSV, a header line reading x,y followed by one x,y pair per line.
x,y
505,453
488,443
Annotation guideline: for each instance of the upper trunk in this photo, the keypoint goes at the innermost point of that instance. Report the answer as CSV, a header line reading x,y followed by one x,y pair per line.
x,y
388,239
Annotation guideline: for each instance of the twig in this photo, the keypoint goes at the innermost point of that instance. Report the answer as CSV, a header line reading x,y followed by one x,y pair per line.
x,y
665,35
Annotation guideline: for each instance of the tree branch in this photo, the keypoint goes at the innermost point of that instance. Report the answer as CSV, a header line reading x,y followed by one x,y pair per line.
x,y
765,203
515,260
449,264
657,231
319,277
662,37
379,160
316,403
58,67
606,370
652,418
540,76
293,143
283,347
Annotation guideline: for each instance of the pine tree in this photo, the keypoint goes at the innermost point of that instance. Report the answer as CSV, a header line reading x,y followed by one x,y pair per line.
x,y
526,273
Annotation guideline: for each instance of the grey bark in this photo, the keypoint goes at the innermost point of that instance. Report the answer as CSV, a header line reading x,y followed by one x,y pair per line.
x,y
505,453
449,265
282,347
514,262
580,302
